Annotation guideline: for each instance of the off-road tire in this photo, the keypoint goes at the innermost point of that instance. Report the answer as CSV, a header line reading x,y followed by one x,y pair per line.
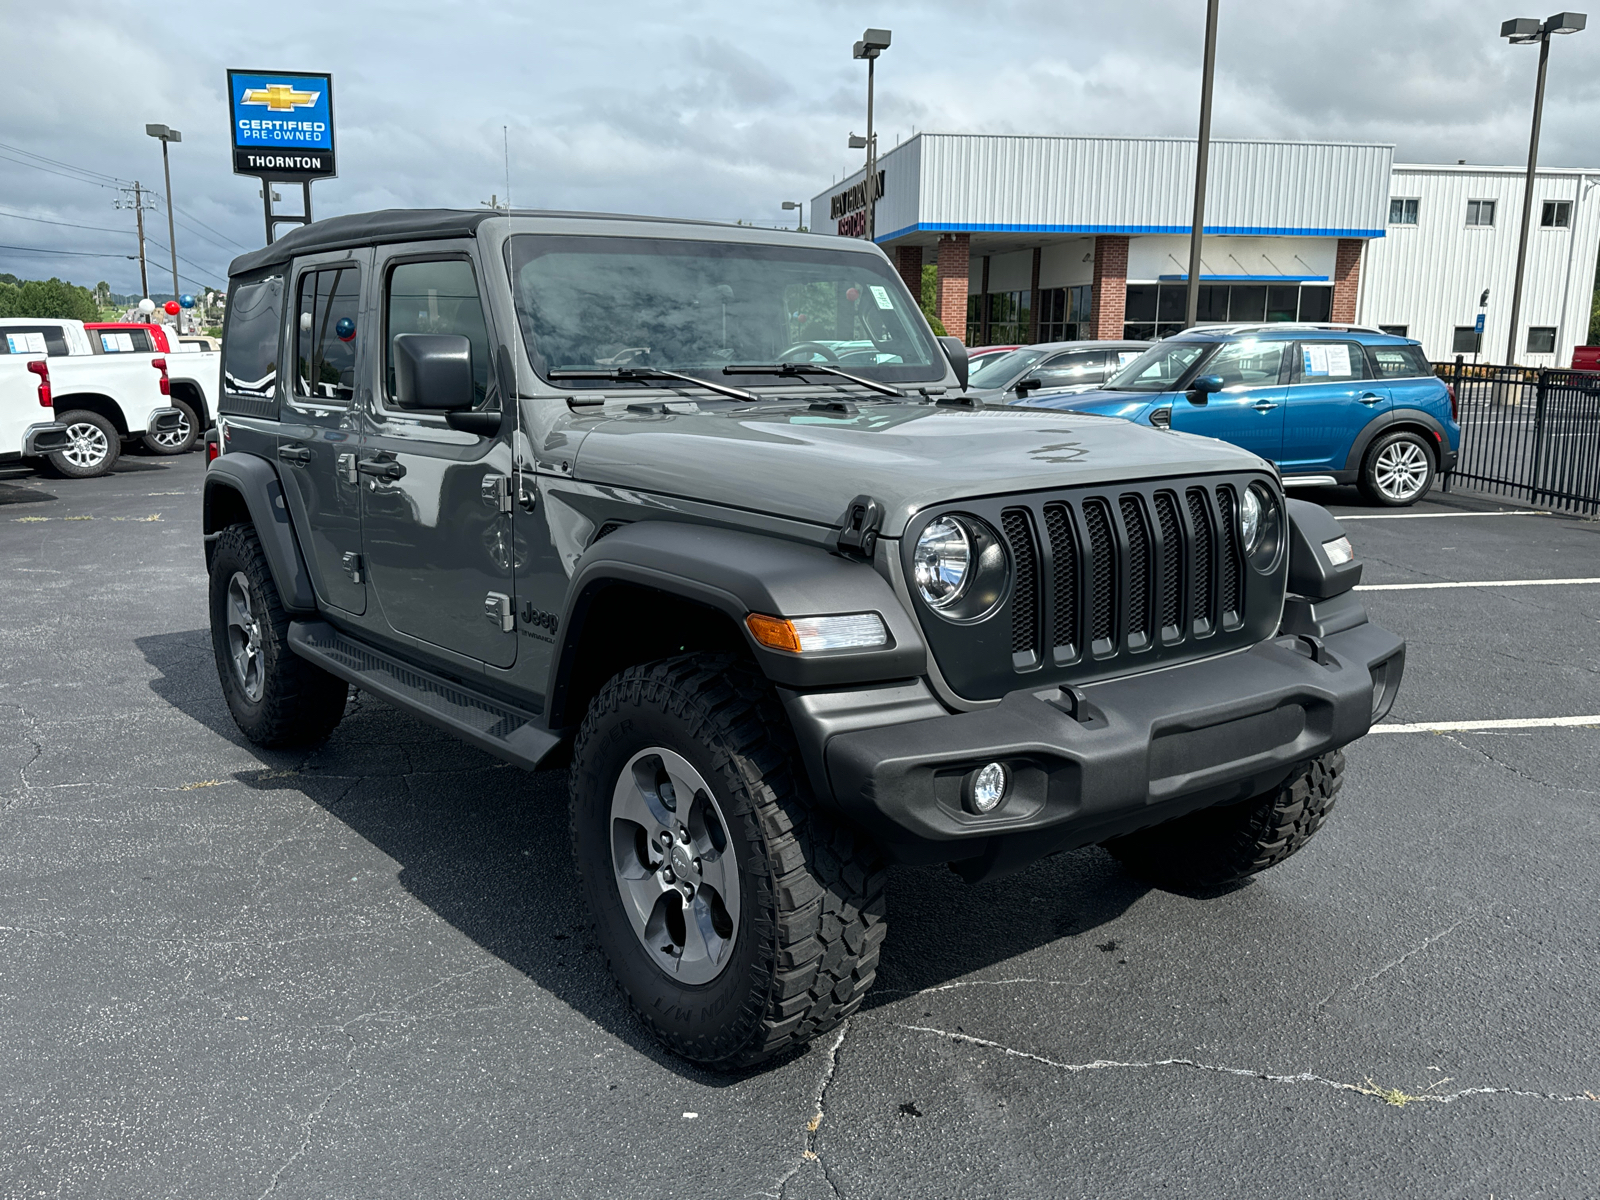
x,y
191,431
75,466
300,703
1416,450
811,919
1219,846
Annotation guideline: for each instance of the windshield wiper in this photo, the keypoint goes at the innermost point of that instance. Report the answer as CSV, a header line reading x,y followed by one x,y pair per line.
x,y
793,369
646,374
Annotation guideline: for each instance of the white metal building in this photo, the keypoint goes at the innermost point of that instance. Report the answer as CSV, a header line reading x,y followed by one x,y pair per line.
x,y
1046,238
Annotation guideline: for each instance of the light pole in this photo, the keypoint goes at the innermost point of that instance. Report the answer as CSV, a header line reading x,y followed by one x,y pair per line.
x,y
168,136
1520,31
800,218
873,43
1201,162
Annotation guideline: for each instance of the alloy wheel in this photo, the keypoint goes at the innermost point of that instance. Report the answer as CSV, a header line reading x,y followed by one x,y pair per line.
x,y
175,437
674,866
87,445
244,639
1401,470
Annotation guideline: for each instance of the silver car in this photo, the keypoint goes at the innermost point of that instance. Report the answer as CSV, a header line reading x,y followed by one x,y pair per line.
x,y
1053,367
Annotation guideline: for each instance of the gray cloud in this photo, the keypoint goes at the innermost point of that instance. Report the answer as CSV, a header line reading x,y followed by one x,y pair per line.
x,y
719,110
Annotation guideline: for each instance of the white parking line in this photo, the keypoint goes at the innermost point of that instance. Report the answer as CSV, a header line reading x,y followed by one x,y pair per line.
x,y
1471,583
1471,726
1514,512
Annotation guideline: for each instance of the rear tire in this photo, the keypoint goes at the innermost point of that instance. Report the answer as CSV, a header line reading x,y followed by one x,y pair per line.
x,y
1219,846
277,698
1398,470
180,440
95,447
800,900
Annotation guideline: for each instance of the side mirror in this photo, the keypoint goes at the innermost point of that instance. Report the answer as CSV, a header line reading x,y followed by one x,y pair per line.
x,y
1031,384
433,372
1200,390
956,351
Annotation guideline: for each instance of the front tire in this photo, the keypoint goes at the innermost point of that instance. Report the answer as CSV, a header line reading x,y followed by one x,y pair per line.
x,y
1219,846
739,922
277,698
1398,470
95,446
180,440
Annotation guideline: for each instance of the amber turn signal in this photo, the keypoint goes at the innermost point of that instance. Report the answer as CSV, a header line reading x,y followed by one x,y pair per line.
x,y
775,633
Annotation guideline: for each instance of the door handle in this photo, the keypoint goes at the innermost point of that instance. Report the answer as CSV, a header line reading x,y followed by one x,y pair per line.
x,y
1263,406
1369,397
345,464
381,468
297,455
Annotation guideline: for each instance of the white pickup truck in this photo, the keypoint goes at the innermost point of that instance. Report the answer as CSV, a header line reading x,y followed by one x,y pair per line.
x,y
194,369
99,400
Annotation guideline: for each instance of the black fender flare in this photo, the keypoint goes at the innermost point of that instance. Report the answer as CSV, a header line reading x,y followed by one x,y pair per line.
x,y
1400,416
739,573
256,482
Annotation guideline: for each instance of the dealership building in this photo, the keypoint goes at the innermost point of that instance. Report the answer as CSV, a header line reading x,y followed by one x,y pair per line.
x,y
1060,238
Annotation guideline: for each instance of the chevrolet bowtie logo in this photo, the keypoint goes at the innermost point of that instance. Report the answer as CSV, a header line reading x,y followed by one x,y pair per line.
x,y
280,97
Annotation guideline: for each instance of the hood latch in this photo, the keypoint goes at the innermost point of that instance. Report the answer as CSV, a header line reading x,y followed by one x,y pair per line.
x,y
863,520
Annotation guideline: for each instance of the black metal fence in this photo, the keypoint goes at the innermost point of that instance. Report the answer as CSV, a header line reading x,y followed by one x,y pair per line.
x,y
1530,434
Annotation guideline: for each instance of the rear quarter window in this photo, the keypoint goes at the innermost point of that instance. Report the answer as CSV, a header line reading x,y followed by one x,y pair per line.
x,y
34,339
1398,362
250,341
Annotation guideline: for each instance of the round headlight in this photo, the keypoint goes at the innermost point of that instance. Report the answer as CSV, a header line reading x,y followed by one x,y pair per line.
x,y
943,562
1250,520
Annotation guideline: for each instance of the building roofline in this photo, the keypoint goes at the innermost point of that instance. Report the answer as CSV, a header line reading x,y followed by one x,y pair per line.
x,y
1488,169
1095,137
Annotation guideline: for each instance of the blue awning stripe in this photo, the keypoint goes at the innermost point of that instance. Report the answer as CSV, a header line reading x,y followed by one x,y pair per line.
x,y
1221,230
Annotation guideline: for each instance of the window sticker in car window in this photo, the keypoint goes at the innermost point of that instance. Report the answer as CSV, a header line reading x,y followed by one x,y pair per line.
x,y
1124,357
1332,361
881,295
25,343
117,343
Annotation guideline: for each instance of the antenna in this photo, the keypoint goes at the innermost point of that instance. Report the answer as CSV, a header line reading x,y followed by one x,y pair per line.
x,y
506,137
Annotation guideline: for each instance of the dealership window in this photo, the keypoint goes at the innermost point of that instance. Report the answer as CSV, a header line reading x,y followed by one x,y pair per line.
x,y
1403,210
1064,314
1480,212
1557,214
1156,310
1541,339
1465,340
1393,330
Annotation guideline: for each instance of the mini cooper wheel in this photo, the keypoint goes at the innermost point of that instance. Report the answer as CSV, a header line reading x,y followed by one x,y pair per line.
x,y
1398,470
738,922
277,698
93,445
179,440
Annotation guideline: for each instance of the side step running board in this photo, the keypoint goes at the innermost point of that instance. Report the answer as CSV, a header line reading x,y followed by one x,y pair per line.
x,y
509,733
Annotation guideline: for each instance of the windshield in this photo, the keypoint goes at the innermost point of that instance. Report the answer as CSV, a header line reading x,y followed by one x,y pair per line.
x,y
997,370
592,303
1159,368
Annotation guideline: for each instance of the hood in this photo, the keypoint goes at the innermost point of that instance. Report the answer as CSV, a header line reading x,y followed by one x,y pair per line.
x,y
1130,406
808,465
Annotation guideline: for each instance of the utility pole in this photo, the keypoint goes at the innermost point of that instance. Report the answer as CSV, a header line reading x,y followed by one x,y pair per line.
x,y
138,215
1202,161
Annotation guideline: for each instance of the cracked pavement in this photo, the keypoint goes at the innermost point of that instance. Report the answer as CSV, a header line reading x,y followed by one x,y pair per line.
x,y
363,971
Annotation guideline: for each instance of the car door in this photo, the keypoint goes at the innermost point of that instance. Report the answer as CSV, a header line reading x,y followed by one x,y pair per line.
x,y
1331,398
437,511
1248,411
319,433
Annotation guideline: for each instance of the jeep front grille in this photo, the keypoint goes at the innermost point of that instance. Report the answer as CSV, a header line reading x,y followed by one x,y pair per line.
x,y
1108,580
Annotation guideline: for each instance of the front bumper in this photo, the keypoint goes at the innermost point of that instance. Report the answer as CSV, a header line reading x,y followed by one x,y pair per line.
x,y
1142,750
44,438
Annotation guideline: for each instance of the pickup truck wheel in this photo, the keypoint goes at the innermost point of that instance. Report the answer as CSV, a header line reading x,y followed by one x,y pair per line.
x,y
277,698
738,921
179,440
1398,470
95,445
1219,846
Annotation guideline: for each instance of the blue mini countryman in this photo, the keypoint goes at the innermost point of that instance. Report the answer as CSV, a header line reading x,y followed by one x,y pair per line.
x,y
1328,404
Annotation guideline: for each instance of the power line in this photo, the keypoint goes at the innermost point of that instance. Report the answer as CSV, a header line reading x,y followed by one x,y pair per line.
x,y
185,213
69,224
52,171
195,265
56,162
73,253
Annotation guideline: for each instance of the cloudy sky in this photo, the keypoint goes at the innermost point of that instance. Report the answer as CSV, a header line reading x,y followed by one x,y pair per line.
x,y
708,109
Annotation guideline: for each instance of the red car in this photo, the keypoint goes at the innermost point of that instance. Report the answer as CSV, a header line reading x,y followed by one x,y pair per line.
x,y
1586,358
141,337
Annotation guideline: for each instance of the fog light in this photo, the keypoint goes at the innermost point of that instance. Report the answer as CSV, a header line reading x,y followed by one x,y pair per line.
x,y
1339,551
986,787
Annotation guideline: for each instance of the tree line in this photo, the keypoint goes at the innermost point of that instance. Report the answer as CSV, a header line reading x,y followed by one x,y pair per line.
x,y
48,298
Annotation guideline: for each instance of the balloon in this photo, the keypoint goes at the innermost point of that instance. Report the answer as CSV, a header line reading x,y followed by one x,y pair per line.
x,y
186,300
346,329
170,308
147,305
852,294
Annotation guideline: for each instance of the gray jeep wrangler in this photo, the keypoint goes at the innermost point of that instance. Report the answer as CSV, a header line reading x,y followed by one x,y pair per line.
x,y
703,513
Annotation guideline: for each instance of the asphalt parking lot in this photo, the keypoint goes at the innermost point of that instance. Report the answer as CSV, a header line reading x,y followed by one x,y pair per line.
x,y
364,972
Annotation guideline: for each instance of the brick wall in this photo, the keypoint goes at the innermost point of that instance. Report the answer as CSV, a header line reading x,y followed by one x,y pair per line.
x,y
1109,297
1033,303
908,261
1346,279
954,267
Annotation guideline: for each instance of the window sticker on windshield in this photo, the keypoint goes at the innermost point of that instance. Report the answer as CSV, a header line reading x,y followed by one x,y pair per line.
x,y
881,295
117,343
25,343
1124,357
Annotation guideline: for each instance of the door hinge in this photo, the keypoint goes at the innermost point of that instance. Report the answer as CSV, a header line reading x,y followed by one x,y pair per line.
x,y
352,565
858,535
345,464
497,607
496,492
